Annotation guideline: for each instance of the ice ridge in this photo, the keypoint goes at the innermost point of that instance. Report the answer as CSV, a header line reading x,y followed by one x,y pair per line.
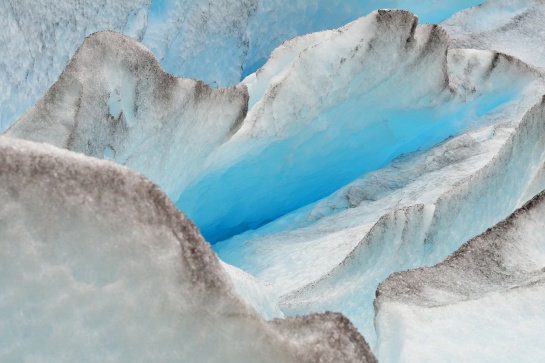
x,y
98,262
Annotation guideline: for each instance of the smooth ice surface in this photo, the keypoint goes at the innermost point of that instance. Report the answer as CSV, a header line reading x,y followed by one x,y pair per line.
x,y
483,303
217,41
96,262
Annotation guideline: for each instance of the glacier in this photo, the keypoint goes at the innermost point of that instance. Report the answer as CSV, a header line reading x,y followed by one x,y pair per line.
x,y
97,262
216,41
345,172
484,300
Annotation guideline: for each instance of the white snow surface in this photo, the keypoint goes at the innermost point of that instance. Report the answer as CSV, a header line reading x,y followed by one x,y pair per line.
x,y
96,262
483,303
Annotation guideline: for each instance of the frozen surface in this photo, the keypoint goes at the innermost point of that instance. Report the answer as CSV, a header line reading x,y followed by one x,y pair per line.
x,y
483,303
351,154
221,41
39,37
114,101
216,41
317,120
331,106
513,27
333,254
396,89
96,262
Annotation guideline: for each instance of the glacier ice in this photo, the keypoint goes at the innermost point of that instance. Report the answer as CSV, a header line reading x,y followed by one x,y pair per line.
x,y
507,26
361,107
485,300
350,154
216,41
113,100
97,262
38,39
319,125
396,90
418,211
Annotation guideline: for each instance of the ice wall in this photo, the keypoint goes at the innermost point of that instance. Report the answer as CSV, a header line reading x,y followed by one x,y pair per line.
x,y
329,107
484,301
114,101
216,41
334,253
97,262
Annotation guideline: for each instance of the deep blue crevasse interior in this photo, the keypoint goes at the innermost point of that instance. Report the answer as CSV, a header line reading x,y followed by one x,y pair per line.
x,y
293,172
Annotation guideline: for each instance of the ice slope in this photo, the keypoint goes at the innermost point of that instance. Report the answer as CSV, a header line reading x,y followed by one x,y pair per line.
x,y
96,262
334,253
216,41
38,39
107,103
483,303
331,106
220,41
384,91
513,27
394,219
114,101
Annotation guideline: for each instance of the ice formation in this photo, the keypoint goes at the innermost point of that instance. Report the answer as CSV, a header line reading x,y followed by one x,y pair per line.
x,y
97,262
320,125
508,26
216,41
484,301
114,101
351,154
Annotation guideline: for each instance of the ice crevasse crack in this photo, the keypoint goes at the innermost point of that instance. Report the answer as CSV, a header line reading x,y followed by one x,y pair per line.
x,y
348,156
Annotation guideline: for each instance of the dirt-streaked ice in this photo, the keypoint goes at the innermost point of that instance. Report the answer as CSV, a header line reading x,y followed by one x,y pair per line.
x,y
97,262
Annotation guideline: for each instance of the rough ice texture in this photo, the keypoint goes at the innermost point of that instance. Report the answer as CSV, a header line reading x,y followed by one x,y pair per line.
x,y
327,108
38,39
485,301
325,255
216,41
97,262
114,101
334,253
379,78
514,27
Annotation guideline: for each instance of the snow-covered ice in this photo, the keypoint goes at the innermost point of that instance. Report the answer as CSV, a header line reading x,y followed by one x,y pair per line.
x,y
485,301
97,262
509,26
114,101
216,41
362,147
319,119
